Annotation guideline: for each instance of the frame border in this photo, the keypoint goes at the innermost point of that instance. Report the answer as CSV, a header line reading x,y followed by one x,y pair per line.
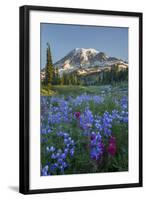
x,y
24,98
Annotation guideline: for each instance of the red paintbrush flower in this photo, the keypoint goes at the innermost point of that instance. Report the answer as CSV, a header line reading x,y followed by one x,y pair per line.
x,y
112,148
77,114
112,140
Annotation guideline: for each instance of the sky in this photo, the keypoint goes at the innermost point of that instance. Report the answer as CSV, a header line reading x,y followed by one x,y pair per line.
x,y
64,38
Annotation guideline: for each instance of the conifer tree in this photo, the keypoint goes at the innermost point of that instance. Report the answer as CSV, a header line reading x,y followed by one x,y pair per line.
x,y
49,70
57,77
62,80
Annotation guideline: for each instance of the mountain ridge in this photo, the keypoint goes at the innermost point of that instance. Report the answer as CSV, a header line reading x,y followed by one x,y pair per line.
x,y
86,58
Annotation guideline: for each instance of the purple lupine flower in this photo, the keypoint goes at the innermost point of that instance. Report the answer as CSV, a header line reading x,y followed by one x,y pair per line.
x,y
63,156
44,171
72,152
86,119
52,149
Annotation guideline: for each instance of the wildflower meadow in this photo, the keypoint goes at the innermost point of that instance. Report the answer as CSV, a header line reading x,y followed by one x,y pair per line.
x,y
84,133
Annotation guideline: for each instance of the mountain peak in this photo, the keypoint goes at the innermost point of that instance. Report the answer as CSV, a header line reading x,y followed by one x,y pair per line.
x,y
84,58
85,50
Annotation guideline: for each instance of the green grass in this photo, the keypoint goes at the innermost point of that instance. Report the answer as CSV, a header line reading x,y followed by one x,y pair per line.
x,y
74,90
47,92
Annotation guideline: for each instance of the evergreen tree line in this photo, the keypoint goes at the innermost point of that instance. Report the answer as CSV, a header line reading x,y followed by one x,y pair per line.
x,y
113,76
105,77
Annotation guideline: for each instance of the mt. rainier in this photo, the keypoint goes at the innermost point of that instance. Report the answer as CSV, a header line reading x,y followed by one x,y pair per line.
x,y
81,58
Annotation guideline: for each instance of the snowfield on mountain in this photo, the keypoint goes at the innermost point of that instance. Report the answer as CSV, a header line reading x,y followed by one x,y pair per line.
x,y
81,58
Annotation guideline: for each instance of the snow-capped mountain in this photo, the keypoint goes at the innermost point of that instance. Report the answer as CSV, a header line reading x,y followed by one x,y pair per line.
x,y
81,59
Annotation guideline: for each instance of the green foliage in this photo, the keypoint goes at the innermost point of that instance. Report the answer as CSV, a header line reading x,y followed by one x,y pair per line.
x,y
52,76
47,91
69,79
106,77
49,69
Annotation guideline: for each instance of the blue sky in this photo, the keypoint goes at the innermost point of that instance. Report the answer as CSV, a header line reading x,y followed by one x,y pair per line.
x,y
64,38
